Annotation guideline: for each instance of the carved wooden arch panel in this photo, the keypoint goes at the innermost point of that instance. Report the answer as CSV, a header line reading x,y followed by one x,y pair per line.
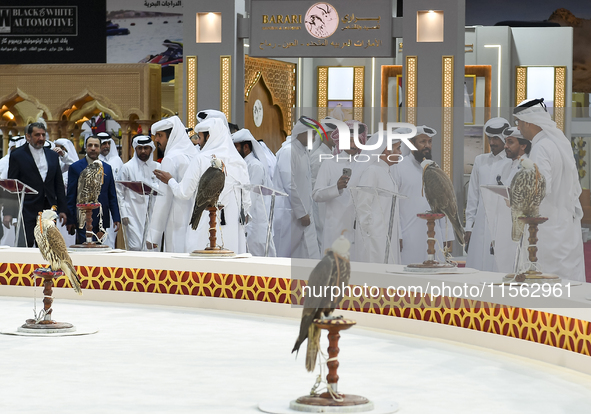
x,y
271,130
280,80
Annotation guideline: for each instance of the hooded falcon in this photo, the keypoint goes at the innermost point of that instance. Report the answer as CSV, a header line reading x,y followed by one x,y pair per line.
x,y
89,187
333,270
440,195
53,248
210,187
528,189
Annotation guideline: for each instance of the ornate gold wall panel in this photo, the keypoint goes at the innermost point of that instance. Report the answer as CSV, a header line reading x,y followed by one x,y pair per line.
x,y
322,91
191,119
128,89
280,80
559,95
447,116
226,86
358,92
410,77
520,84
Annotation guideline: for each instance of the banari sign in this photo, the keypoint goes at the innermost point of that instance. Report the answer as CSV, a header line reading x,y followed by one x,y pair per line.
x,y
45,31
304,28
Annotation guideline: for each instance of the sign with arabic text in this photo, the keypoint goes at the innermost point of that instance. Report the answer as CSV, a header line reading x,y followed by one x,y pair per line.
x,y
52,31
308,28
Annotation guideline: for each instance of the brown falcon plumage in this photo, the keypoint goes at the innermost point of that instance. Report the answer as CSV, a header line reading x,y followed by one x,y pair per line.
x,y
53,248
528,189
210,187
89,187
333,270
440,194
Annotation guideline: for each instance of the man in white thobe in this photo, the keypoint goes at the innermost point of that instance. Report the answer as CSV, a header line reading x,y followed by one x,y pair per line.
x,y
498,213
110,155
258,223
409,178
133,206
171,214
323,147
331,189
213,113
217,141
271,159
293,223
486,171
560,243
68,156
374,176
8,237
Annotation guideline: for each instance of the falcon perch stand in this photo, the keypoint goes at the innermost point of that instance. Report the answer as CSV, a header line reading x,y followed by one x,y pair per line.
x,y
532,275
320,403
46,324
89,243
213,250
430,263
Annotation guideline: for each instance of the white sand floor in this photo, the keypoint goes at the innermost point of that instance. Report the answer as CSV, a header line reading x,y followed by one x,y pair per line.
x,y
154,359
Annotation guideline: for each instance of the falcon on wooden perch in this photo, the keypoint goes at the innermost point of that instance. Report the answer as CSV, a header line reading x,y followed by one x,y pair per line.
x,y
89,188
441,197
210,187
53,248
528,189
333,270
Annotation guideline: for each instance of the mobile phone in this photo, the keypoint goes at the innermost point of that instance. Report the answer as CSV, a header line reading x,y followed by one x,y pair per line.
x,y
347,172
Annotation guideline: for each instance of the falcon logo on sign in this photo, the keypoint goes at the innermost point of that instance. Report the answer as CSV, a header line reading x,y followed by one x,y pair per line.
x,y
321,20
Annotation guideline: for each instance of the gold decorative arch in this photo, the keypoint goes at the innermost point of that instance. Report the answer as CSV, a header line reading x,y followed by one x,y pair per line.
x,y
17,96
280,80
89,101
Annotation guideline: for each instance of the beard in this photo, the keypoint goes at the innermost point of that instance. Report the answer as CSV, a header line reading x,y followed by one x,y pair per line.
x,y
423,154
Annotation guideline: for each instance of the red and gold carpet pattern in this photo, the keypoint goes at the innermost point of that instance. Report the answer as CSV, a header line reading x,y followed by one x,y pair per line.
x,y
530,325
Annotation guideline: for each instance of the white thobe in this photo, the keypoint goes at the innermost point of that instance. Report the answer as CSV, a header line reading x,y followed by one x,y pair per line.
x,y
485,171
340,213
499,219
132,205
258,223
4,166
8,238
409,178
116,165
560,242
171,214
319,209
232,234
373,217
293,176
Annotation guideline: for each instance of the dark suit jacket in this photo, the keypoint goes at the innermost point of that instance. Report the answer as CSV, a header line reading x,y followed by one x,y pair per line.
x,y
107,197
51,191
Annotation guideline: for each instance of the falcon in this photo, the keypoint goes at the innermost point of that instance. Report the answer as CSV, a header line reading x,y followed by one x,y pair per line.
x,y
441,197
53,247
527,191
333,270
89,187
210,187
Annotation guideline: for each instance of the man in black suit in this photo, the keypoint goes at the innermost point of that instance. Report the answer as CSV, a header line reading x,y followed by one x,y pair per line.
x,y
39,168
